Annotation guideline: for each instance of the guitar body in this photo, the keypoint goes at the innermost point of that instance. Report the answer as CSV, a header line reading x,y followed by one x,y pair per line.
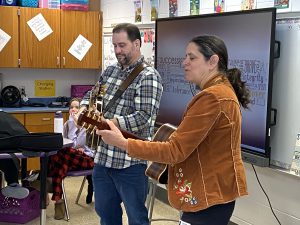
x,y
159,171
156,171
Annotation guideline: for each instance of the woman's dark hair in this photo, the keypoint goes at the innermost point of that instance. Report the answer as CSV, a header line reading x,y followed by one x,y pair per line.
x,y
132,31
210,45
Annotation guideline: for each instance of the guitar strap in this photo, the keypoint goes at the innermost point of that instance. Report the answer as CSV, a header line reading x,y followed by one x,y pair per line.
x,y
134,73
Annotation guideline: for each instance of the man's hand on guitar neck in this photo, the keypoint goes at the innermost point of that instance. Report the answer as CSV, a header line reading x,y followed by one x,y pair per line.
x,y
113,136
98,113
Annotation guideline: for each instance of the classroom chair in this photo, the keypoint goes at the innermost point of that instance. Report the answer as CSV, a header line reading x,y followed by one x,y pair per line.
x,y
78,173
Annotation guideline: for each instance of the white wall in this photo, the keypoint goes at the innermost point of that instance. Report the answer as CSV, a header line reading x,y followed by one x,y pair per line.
x,y
64,79
282,188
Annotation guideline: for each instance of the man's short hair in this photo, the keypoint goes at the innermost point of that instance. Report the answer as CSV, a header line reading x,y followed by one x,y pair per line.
x,y
132,31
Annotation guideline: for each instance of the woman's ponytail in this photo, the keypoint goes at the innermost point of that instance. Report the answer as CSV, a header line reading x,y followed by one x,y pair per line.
x,y
241,91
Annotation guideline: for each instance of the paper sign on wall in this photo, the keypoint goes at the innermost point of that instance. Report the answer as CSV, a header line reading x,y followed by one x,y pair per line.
x,y
39,27
44,88
4,39
80,47
295,166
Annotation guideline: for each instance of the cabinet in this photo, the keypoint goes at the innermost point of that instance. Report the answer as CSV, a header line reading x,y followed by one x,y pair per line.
x,y
26,51
9,24
37,122
87,24
35,53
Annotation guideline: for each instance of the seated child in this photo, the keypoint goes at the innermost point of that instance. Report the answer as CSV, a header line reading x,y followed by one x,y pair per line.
x,y
77,157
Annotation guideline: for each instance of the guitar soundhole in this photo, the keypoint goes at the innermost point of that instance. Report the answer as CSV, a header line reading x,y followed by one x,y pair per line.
x,y
164,177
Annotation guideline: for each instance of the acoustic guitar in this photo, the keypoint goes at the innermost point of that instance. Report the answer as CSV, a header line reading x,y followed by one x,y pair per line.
x,y
156,171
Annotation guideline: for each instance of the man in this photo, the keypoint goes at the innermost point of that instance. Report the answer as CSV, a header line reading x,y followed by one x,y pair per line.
x,y
117,177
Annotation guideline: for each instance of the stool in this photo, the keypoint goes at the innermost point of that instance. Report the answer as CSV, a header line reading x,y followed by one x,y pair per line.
x,y
74,174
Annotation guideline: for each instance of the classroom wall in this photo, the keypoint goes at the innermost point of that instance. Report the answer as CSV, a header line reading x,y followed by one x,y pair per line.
x,y
64,78
281,187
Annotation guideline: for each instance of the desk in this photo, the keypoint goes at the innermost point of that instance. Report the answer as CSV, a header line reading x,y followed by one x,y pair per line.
x,y
43,175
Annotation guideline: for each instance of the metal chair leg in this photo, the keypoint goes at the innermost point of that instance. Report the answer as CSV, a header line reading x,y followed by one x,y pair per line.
x,y
150,202
2,179
65,200
150,191
80,190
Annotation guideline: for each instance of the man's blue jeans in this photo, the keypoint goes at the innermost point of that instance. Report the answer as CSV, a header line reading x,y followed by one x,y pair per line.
x,y
113,186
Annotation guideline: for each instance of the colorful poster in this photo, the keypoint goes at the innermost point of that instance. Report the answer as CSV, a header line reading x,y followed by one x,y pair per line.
x,y
148,46
173,8
194,7
138,11
281,4
248,4
154,9
219,6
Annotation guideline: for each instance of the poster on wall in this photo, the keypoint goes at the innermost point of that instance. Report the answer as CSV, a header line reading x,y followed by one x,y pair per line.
x,y
295,165
80,47
219,6
44,88
281,4
39,27
173,8
194,7
148,46
109,57
138,11
154,9
248,4
4,39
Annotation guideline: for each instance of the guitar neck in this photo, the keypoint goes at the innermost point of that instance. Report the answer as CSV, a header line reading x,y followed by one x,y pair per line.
x,y
102,125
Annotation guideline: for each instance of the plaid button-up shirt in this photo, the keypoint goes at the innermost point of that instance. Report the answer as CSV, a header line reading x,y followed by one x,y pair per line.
x,y
136,109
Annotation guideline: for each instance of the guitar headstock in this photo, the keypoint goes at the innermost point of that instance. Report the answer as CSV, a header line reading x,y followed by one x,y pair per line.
x,y
96,96
91,121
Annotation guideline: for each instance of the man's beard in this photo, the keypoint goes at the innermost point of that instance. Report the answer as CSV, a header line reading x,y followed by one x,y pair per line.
x,y
123,60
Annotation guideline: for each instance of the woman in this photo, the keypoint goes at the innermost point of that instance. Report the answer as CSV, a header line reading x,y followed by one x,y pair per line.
x,y
206,172
78,157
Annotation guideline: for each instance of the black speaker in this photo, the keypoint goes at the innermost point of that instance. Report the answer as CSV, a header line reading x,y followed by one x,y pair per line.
x,y
11,96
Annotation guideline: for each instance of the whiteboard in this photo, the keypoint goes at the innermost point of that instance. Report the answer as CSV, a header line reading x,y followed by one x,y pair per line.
x,y
286,92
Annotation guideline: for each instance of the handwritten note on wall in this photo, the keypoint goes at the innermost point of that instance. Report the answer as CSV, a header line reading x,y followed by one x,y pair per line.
x,y
4,38
39,27
44,88
80,47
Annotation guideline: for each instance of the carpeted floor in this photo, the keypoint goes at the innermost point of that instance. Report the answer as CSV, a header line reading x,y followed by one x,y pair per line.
x,y
84,214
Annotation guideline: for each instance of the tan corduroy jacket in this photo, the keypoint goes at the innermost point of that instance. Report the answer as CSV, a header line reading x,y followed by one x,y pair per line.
x,y
204,153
